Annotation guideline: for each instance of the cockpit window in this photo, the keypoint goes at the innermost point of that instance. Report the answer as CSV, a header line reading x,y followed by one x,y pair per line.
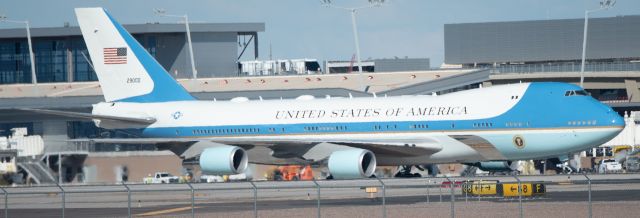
x,y
576,92
582,92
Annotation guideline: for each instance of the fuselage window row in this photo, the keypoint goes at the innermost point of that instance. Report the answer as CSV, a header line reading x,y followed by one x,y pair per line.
x,y
324,128
419,126
517,124
375,127
477,125
226,131
582,123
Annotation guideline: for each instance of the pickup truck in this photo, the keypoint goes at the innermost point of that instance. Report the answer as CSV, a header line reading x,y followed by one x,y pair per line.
x,y
609,166
161,177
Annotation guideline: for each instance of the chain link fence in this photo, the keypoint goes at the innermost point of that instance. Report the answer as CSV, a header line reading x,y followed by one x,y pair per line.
x,y
506,196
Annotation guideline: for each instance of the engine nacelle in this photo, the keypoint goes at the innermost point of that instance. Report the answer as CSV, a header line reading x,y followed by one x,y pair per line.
x,y
223,160
352,163
494,166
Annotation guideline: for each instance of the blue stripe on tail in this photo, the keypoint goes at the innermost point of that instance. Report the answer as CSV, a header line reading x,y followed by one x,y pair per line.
x,y
165,88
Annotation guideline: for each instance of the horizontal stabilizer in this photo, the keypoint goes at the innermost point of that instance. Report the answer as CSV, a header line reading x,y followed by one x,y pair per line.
x,y
133,120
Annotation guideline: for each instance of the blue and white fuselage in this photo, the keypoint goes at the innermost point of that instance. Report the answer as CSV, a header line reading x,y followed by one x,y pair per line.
x,y
350,135
549,118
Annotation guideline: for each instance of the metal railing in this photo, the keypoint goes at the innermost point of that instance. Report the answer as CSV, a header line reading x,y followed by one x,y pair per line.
x,y
451,186
69,147
568,67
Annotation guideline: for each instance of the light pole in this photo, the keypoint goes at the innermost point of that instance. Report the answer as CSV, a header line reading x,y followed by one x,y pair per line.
x,y
604,5
354,26
3,18
162,12
373,3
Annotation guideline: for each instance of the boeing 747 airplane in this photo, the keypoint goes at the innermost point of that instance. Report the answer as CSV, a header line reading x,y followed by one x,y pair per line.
x,y
350,135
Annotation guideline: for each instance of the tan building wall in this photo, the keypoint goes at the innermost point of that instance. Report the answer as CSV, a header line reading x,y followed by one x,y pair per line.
x,y
104,168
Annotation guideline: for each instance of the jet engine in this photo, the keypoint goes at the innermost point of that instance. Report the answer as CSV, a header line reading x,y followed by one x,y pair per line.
x,y
352,163
223,160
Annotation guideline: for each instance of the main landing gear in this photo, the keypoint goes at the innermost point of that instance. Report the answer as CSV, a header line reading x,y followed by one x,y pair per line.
x,y
404,171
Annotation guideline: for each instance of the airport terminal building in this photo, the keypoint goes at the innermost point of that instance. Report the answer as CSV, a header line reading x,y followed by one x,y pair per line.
x,y
550,42
61,55
550,50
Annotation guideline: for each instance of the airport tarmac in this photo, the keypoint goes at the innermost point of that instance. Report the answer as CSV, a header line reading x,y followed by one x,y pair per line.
x,y
613,195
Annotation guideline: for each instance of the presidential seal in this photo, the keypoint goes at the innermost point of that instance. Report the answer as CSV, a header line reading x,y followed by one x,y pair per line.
x,y
176,115
518,141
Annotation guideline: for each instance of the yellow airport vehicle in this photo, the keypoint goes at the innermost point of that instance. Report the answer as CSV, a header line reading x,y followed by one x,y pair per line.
x,y
481,188
619,148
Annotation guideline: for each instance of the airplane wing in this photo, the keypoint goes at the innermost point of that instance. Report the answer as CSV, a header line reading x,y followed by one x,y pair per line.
x,y
283,151
390,148
89,116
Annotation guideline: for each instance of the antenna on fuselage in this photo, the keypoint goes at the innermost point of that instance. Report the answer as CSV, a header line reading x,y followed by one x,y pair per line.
x,y
374,95
260,98
350,95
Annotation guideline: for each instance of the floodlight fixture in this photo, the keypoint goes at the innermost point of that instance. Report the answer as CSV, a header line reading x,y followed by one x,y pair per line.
x,y
353,11
4,18
163,13
604,5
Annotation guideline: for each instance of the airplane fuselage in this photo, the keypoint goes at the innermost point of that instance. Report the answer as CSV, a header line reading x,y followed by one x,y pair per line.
x,y
507,122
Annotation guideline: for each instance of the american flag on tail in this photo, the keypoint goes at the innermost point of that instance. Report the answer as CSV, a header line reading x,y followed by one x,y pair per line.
x,y
115,55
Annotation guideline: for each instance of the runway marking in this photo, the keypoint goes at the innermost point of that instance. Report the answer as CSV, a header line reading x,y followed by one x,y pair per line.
x,y
160,212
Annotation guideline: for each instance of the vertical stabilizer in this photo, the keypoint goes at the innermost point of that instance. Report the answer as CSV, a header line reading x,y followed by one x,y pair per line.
x,y
126,71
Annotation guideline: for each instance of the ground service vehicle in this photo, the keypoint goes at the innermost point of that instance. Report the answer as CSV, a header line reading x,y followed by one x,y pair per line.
x,y
161,177
609,166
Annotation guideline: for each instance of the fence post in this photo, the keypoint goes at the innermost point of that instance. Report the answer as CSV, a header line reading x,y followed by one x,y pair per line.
x,y
193,199
6,202
440,192
318,186
63,198
519,195
128,199
255,199
384,198
479,195
589,187
453,211
428,194
466,193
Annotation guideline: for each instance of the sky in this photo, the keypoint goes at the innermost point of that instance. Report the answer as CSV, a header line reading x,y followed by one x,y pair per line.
x,y
307,29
